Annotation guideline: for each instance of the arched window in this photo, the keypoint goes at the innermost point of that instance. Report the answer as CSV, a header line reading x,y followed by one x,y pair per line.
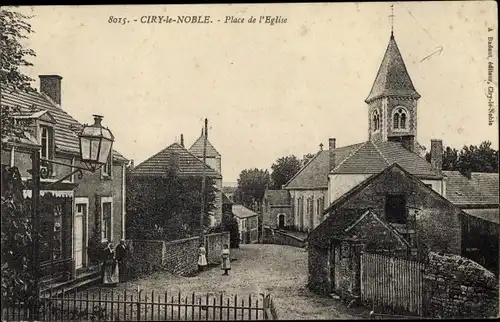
x,y
375,121
395,121
400,119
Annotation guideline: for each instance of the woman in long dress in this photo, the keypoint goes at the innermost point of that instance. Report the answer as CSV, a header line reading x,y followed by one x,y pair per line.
x,y
226,261
111,275
202,258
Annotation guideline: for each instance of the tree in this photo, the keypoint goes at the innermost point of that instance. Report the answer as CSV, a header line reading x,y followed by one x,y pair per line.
x,y
478,159
283,170
471,158
252,184
17,278
168,207
13,28
307,158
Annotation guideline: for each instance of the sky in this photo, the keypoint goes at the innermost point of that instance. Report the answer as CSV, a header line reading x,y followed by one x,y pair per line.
x,y
267,90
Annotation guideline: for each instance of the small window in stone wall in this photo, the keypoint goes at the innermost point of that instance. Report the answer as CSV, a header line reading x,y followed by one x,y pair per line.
x,y
395,209
344,251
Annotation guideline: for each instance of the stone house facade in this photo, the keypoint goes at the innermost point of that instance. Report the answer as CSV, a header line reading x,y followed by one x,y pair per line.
x,y
248,224
401,205
277,209
76,208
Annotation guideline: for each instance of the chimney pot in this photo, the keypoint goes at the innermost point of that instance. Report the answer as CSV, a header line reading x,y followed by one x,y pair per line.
x,y
321,146
437,155
331,151
182,140
50,85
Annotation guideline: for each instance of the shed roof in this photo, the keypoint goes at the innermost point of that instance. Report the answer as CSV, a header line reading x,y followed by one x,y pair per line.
x,y
242,212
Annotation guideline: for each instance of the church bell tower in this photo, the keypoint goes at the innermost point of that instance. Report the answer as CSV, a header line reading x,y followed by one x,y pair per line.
x,y
392,102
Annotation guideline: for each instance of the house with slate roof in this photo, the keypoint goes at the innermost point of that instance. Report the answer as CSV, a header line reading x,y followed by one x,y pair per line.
x,y
248,224
213,160
177,158
74,209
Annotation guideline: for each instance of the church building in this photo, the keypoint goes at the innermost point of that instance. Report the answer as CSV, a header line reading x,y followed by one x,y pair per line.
x,y
392,131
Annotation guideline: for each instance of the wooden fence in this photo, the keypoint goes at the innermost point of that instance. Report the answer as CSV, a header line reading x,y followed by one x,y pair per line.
x,y
112,305
391,285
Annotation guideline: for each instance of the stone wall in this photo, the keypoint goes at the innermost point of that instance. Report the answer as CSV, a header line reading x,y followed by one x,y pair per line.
x,y
214,244
272,236
458,287
178,257
319,270
145,256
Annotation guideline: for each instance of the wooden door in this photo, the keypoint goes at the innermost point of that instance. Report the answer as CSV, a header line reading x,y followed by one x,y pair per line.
x,y
79,236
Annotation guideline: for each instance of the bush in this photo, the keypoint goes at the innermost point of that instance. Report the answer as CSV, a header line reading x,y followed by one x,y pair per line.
x,y
17,277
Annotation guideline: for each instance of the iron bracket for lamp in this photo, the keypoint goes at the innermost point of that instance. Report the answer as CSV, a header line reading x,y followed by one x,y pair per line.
x,y
44,172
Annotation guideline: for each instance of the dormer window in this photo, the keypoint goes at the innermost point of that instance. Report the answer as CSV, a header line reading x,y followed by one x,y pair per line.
x,y
400,119
46,142
376,121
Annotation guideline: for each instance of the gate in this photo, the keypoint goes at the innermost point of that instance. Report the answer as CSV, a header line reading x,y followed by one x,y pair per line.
x,y
120,305
391,285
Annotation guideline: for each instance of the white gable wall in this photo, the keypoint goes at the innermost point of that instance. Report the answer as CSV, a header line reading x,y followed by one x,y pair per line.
x,y
339,184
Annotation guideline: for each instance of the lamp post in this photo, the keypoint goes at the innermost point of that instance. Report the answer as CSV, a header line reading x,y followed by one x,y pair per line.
x,y
96,142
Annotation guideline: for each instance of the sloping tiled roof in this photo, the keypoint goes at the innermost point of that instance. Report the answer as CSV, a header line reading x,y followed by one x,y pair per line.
x,y
489,214
161,163
314,175
371,158
341,222
197,148
241,212
65,128
481,189
277,197
392,77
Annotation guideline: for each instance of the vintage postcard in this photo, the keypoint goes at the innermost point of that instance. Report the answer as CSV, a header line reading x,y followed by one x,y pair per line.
x,y
250,161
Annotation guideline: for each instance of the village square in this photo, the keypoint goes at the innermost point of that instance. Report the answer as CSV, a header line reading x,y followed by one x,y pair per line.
x,y
396,224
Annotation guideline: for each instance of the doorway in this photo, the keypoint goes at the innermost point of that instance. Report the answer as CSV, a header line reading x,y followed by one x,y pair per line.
x,y
80,240
281,221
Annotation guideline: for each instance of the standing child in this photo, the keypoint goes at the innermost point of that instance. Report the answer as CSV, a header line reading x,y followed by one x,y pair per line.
x,y
202,259
226,263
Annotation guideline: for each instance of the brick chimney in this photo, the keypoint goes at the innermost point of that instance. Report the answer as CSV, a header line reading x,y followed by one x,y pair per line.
x,y
182,140
437,155
331,150
50,85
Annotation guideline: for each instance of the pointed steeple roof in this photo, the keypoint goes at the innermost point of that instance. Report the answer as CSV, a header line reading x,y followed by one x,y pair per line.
x,y
197,148
392,77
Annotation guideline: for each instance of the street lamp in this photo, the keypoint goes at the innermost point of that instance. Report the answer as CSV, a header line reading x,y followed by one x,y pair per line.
x,y
96,142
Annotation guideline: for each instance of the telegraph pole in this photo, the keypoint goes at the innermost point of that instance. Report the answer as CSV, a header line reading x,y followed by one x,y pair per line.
x,y
203,182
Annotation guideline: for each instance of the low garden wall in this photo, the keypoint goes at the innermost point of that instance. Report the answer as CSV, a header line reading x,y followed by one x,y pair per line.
x,y
179,257
273,236
458,287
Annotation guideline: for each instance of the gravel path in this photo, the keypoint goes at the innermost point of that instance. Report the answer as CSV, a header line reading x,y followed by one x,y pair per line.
x,y
279,270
